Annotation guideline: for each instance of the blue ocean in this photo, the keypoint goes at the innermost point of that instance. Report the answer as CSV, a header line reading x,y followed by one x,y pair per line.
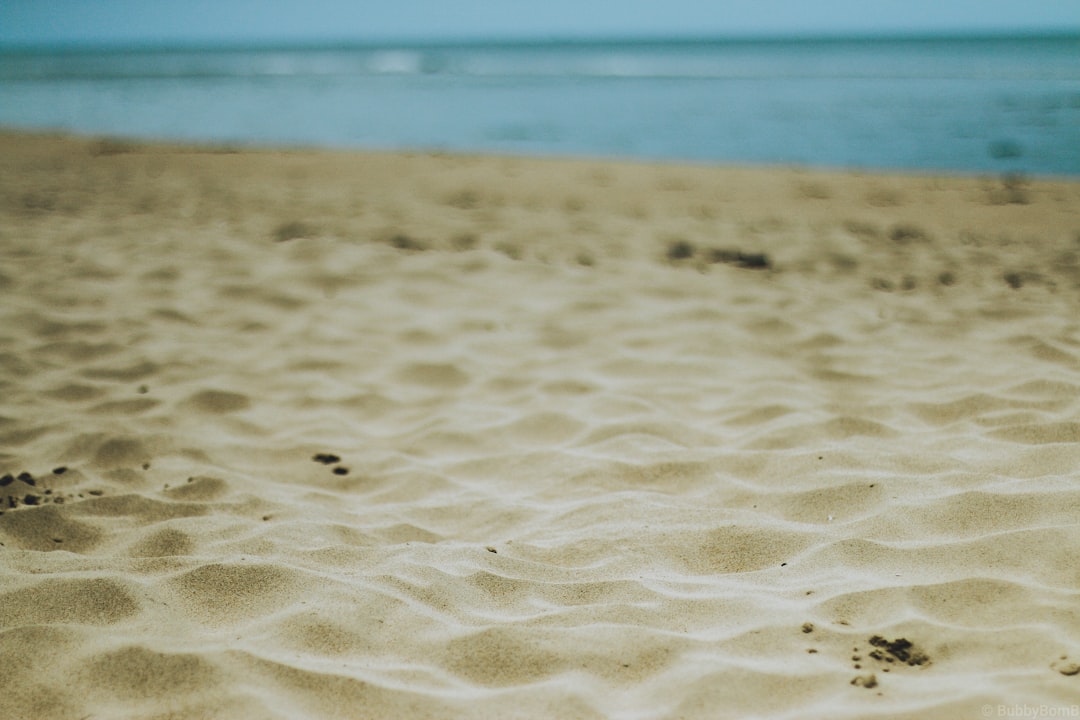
x,y
1002,104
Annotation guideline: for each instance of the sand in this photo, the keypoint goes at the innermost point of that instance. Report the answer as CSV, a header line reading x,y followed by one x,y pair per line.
x,y
332,435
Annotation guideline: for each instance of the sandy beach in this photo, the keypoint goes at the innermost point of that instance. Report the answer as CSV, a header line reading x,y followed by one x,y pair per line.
x,y
343,435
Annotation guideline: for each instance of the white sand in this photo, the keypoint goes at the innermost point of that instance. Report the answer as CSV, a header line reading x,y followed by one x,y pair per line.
x,y
584,479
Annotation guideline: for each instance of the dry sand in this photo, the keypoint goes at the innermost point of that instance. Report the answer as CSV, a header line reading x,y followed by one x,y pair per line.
x,y
592,459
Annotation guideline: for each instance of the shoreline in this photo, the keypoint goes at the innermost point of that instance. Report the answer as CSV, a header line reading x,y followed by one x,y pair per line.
x,y
123,143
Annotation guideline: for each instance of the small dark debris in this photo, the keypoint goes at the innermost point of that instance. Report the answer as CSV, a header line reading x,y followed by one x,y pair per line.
x,y
754,261
808,627
865,681
60,470
751,261
265,517
57,540
95,493
27,478
31,499
680,250
339,470
900,649
491,549
904,233
404,242
326,458
812,651
7,480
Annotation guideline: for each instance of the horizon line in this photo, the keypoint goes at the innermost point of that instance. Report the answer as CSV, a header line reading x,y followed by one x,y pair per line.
x,y
237,44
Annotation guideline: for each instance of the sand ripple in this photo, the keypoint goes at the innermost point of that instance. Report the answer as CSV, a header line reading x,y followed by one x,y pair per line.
x,y
357,475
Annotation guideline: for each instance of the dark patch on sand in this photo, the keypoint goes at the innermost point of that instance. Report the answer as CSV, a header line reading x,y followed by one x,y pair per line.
x,y
868,681
900,649
17,496
750,261
887,654
680,250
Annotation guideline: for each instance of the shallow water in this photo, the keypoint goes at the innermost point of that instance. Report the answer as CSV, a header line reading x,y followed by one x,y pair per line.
x,y
975,105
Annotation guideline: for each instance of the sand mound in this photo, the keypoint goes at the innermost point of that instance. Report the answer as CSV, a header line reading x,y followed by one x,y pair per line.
x,y
328,435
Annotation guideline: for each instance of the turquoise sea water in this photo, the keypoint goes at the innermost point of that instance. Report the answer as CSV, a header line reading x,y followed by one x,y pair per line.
x,y
969,105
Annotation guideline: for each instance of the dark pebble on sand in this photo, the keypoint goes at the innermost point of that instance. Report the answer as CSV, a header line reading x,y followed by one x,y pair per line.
x,y
326,458
7,480
27,478
341,470
60,470
31,500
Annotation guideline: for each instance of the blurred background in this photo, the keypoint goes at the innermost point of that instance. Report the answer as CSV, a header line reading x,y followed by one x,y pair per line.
x,y
953,85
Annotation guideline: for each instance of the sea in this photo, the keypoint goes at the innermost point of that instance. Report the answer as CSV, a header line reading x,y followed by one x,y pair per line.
x,y
957,104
